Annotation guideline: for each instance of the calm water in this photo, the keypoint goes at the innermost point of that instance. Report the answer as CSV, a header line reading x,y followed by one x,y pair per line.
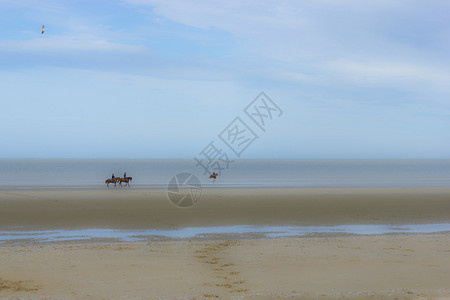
x,y
265,173
245,231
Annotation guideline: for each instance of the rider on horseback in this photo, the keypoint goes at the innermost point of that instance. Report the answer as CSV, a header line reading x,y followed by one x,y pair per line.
x,y
125,175
113,177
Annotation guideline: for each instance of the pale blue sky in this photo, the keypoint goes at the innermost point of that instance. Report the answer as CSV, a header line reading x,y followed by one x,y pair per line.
x,y
162,78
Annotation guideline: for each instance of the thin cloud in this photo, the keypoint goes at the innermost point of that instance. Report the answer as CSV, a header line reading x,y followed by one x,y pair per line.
x,y
392,72
67,43
232,16
42,6
318,31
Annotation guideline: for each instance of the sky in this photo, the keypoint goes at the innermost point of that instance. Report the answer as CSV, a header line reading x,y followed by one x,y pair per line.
x,y
164,78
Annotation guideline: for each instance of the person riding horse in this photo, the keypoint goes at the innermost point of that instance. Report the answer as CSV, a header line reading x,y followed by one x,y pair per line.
x,y
125,180
213,176
113,179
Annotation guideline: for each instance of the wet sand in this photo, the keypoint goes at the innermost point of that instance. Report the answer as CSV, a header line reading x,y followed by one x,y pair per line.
x,y
143,209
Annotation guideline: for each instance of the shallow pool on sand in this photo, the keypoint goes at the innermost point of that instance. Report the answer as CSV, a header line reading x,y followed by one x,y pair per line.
x,y
237,231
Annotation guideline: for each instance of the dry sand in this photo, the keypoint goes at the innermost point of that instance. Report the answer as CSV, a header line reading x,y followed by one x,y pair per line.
x,y
363,267
414,266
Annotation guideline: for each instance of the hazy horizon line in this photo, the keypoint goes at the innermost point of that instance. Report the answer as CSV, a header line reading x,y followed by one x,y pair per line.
x,y
169,158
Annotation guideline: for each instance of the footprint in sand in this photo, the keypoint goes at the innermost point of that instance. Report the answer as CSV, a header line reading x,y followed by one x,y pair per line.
x,y
227,265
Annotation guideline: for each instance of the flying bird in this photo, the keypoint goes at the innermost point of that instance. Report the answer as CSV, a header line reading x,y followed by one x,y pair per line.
x,y
43,29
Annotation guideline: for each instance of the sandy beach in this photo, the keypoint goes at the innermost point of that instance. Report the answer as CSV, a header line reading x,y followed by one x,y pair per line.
x,y
389,266
363,267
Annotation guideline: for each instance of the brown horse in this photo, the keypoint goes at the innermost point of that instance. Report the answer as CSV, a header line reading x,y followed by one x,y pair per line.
x,y
109,180
213,176
126,180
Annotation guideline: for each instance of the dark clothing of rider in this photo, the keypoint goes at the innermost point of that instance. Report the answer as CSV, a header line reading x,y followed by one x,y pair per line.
x,y
112,177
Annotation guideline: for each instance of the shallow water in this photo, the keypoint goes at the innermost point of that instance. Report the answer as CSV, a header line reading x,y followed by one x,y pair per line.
x,y
32,173
28,237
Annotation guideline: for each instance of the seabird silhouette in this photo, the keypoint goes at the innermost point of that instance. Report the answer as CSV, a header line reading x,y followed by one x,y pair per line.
x,y
43,29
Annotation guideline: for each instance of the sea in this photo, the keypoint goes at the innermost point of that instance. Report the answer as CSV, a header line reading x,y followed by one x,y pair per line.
x,y
157,173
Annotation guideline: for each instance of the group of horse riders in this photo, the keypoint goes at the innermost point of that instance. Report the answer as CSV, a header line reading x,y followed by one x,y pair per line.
x,y
119,180
127,179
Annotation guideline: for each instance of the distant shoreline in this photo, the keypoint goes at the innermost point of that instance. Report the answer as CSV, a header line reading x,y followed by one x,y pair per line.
x,y
248,173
